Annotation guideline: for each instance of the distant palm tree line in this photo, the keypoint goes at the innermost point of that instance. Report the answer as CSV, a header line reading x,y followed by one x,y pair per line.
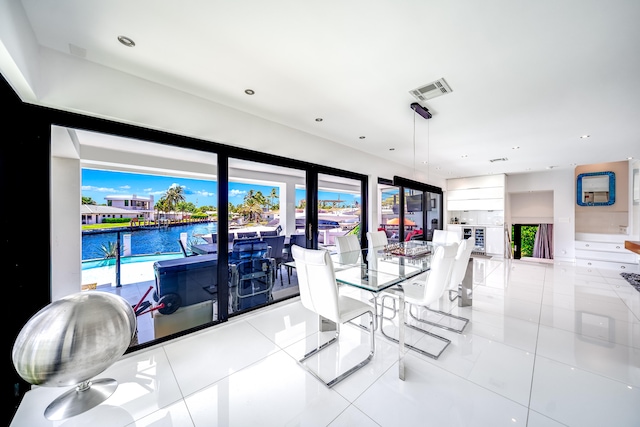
x,y
254,204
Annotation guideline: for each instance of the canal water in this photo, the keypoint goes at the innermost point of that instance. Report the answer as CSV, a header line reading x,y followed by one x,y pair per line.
x,y
146,241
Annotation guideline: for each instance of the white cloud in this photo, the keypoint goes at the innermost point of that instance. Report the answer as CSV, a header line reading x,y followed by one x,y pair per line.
x,y
99,189
237,193
205,193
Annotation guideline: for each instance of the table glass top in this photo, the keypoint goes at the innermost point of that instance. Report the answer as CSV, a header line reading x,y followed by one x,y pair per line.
x,y
378,268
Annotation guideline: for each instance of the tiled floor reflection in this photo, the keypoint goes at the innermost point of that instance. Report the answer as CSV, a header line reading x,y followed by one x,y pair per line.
x,y
546,345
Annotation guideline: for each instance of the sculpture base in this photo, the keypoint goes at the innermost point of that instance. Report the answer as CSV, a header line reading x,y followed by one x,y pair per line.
x,y
82,398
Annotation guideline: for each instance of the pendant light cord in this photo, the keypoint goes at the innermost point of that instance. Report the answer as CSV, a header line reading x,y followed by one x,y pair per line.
x,y
414,146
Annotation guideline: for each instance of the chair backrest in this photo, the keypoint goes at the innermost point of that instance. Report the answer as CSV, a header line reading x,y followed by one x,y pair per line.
x,y
347,243
247,234
461,261
248,248
276,245
440,272
377,238
317,282
442,237
298,239
267,233
232,237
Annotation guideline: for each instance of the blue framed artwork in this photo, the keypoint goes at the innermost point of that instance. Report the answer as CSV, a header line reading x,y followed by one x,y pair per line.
x,y
596,189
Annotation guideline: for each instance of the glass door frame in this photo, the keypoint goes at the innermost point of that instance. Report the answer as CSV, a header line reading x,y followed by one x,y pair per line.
x,y
406,184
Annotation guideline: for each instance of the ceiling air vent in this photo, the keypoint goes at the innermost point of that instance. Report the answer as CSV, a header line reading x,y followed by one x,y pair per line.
x,y
431,90
501,159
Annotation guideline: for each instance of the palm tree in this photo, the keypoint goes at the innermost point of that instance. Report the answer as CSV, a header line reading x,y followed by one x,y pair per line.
x,y
174,195
272,195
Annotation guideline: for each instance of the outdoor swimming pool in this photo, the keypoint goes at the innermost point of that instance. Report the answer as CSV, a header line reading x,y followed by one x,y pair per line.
x,y
109,262
150,241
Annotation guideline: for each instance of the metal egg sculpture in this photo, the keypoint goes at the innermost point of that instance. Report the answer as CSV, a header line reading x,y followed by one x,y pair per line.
x,y
69,342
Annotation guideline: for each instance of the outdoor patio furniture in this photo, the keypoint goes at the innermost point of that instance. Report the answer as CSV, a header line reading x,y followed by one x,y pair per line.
x,y
276,251
185,281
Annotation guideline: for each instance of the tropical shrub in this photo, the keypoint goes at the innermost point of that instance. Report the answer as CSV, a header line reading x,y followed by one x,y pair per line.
x,y
109,249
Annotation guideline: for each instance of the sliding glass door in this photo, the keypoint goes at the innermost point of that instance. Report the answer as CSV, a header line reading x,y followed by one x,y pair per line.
x,y
408,213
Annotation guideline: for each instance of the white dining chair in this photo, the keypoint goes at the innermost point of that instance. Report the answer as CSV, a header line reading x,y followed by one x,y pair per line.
x,y
319,293
347,243
424,291
458,271
444,237
377,238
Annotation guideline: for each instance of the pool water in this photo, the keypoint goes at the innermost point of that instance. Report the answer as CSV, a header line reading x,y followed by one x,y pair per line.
x,y
108,262
157,240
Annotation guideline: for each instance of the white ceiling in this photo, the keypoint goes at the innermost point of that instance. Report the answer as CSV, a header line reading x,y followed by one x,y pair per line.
x,y
530,74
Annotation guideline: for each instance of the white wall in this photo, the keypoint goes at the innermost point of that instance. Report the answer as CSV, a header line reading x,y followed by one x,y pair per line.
x,y
66,232
561,183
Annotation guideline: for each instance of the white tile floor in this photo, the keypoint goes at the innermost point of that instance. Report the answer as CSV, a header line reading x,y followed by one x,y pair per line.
x,y
547,345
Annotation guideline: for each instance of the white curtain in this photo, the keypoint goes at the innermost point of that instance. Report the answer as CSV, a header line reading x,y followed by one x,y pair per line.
x,y
543,245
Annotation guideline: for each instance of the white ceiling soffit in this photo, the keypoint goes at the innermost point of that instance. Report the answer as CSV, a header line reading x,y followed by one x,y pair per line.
x,y
431,90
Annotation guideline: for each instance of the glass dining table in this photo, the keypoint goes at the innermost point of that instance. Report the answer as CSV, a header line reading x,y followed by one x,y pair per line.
x,y
383,270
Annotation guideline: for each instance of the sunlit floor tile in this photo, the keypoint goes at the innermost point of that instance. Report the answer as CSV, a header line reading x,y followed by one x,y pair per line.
x,y
432,396
206,357
576,397
509,331
611,305
351,417
538,420
176,415
615,361
504,370
592,325
520,309
272,392
286,324
490,364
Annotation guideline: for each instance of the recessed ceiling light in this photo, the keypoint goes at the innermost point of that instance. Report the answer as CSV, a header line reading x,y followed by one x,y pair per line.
x,y
362,137
425,162
249,91
464,155
550,167
585,136
126,41
515,148
319,119
391,149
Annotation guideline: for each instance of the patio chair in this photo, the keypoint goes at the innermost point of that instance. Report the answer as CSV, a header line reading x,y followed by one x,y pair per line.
x,y
294,239
276,251
247,235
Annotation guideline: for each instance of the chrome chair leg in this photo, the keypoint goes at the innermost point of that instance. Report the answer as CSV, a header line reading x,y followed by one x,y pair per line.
x,y
409,346
439,325
333,340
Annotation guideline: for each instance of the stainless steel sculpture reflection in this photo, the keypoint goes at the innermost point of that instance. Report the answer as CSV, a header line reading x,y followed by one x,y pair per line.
x,y
69,342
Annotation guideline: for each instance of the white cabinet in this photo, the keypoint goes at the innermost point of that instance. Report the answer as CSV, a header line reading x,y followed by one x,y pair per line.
x,y
606,254
494,240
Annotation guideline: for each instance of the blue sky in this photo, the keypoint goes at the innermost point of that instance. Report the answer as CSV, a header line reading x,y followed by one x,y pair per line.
x,y
98,184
